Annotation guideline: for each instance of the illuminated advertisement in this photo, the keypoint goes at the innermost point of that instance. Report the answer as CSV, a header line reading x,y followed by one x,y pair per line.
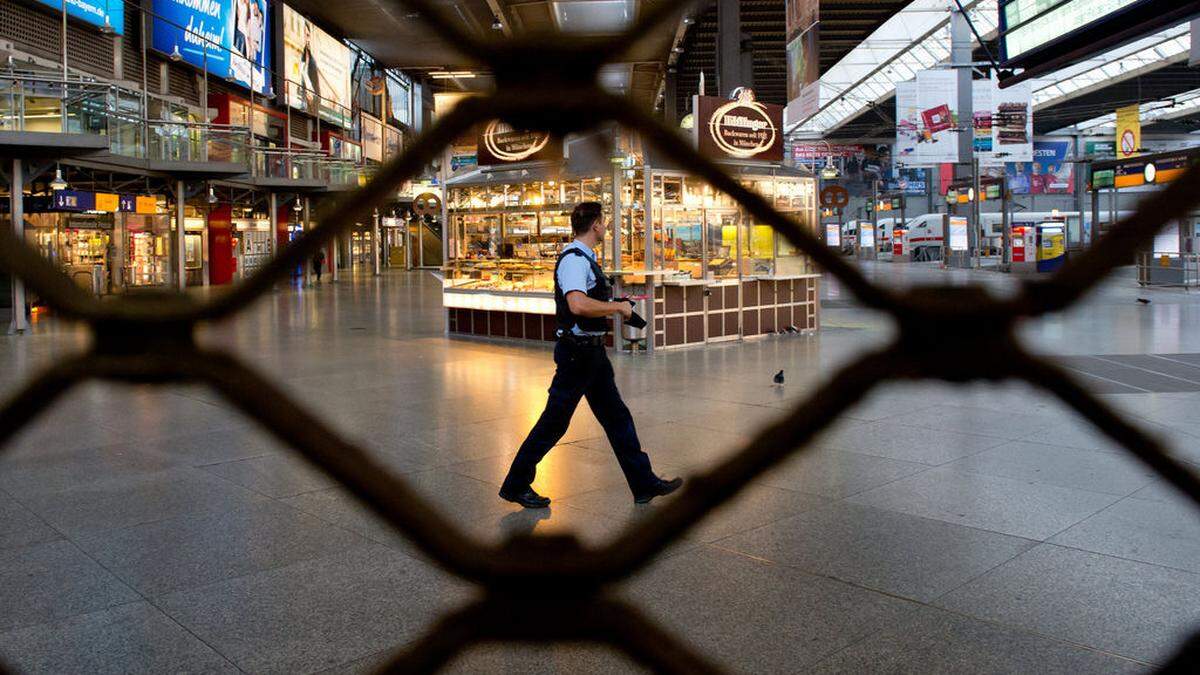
x,y
228,38
317,68
741,127
95,12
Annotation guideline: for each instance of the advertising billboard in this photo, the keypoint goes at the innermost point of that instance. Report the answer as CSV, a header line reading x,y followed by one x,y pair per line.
x,y
1002,122
802,31
927,119
94,12
1050,173
316,66
229,38
372,138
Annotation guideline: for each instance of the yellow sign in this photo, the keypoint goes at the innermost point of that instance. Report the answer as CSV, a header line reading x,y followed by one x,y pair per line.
x,y
146,205
108,202
1129,131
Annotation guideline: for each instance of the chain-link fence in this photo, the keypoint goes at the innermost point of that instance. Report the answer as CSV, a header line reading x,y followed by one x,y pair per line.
x,y
545,589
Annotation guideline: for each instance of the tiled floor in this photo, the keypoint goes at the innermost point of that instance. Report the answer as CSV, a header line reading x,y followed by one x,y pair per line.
x,y
933,528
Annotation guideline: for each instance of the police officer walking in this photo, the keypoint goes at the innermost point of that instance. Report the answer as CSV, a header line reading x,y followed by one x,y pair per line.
x,y
583,303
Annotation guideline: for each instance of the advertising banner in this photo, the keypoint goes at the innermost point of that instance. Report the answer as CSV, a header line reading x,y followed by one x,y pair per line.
x,y
818,153
95,12
499,143
1129,131
228,37
1050,173
317,68
927,119
803,34
372,138
738,129
1002,122
958,233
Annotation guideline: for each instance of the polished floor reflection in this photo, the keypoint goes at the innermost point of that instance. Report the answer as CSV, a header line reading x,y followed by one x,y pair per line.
x,y
934,528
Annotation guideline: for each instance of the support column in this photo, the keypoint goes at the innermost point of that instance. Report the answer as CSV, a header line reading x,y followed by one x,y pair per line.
x,y
337,257
179,248
670,99
729,46
17,210
273,210
306,265
960,58
375,242
1079,187
650,224
617,244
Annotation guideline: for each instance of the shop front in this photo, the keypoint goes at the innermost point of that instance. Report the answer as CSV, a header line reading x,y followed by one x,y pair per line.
x,y
713,272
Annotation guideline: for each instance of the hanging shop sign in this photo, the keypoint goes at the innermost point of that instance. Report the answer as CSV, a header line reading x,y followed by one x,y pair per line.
x,y
741,128
141,204
228,38
1050,173
499,143
1129,131
317,68
427,204
102,13
927,119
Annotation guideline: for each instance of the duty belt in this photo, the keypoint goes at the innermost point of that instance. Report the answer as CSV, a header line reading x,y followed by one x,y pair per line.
x,y
582,340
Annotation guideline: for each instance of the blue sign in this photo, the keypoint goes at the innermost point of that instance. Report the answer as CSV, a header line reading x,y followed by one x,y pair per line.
x,y
74,200
1049,173
94,12
231,38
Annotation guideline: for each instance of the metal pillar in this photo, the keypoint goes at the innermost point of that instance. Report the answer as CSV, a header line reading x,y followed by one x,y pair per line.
x,y
17,210
617,245
960,58
179,247
1080,187
307,264
273,210
648,203
375,262
729,46
1005,226
337,258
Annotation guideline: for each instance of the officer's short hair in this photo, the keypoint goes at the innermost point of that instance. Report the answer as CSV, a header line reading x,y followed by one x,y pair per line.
x,y
584,215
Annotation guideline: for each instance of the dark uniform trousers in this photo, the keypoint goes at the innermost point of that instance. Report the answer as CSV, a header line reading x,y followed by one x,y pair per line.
x,y
583,371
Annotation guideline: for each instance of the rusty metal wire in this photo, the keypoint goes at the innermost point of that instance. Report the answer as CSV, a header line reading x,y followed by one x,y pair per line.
x,y
952,334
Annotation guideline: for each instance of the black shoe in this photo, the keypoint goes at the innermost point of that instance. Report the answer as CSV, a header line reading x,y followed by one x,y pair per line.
x,y
663,487
527,498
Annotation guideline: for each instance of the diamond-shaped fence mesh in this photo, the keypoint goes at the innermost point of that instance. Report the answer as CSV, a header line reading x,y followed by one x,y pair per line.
x,y
545,589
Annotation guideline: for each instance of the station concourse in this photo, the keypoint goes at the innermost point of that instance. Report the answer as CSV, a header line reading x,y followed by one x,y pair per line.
x,y
903,291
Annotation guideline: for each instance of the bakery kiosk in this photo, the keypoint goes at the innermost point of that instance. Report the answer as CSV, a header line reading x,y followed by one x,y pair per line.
x,y
701,267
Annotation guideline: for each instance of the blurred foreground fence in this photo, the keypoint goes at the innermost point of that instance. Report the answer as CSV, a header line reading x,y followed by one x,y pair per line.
x,y
545,589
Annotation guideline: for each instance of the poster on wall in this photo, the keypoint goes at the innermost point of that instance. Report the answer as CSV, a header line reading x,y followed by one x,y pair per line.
x,y
372,138
109,13
316,66
740,128
927,119
1050,173
1002,124
228,38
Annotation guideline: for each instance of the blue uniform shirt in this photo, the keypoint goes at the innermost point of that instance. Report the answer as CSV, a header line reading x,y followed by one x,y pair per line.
x,y
575,274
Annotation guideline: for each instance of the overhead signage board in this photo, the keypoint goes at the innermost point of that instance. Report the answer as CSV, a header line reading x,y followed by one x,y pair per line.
x,y
739,128
927,119
499,143
109,13
803,59
819,153
1044,35
227,38
316,66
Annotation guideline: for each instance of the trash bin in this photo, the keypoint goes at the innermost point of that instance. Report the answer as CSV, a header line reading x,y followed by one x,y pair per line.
x,y
634,339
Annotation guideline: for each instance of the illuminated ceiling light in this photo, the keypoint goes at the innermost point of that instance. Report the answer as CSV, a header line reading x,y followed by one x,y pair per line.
x,y
58,183
687,21
107,28
677,49
175,55
212,196
497,24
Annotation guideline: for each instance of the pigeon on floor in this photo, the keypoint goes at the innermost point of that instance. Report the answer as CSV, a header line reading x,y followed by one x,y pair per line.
x,y
778,379
793,329
1144,301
